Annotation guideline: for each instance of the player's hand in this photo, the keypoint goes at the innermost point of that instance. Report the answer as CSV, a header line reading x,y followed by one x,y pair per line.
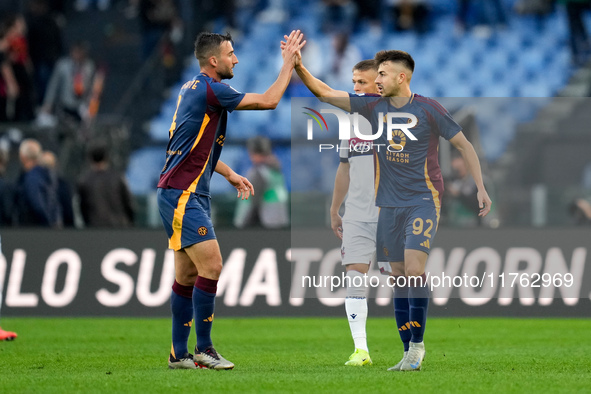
x,y
298,55
484,203
291,47
336,222
242,185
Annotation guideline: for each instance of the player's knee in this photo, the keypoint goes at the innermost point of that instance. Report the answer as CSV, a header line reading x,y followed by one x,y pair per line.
x,y
397,269
215,269
186,278
414,271
358,267
356,284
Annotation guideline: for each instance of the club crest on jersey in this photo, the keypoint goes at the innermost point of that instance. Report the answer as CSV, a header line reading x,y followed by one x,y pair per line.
x,y
360,146
202,231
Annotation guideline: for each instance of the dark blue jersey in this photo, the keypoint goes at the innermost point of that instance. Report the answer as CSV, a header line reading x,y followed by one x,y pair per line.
x,y
197,134
407,172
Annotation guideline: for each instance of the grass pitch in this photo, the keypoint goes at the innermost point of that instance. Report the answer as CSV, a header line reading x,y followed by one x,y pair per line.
x,y
100,355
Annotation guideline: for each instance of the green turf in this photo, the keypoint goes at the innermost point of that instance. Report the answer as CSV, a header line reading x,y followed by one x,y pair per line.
x,y
296,355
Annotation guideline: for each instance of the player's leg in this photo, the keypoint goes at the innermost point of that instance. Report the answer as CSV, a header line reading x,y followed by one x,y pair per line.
x,y
421,228
181,305
356,309
390,253
358,251
181,298
401,308
208,259
418,299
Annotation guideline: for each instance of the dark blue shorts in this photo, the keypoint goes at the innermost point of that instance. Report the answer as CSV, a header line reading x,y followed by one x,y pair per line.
x,y
405,228
186,217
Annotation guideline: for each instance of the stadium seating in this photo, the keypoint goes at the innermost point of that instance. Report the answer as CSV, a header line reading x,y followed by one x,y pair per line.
x,y
528,58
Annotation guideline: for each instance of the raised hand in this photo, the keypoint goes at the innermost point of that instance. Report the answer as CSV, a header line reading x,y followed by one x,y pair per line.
x,y
291,47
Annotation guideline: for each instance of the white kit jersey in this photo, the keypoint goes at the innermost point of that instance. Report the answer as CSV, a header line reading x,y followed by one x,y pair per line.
x,y
360,204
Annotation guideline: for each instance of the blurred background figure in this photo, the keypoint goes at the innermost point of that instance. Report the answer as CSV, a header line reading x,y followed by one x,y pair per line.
x,y
410,15
579,38
6,188
481,16
70,85
36,198
269,207
338,15
64,190
83,5
580,210
462,191
45,44
17,53
9,90
105,199
344,55
157,18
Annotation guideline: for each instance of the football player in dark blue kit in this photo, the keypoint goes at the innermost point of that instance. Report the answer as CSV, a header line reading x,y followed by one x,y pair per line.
x,y
197,135
408,184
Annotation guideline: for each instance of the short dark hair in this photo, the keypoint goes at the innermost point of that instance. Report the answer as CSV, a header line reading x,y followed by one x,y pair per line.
x,y
365,65
396,57
208,44
98,152
259,145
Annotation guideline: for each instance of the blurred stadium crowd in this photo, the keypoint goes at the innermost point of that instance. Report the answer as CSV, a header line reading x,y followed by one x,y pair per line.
x,y
81,73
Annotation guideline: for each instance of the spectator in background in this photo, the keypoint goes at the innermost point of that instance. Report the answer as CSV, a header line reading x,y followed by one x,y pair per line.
x,y
580,210
462,190
268,207
105,199
18,54
344,56
6,189
64,191
370,10
338,15
157,18
45,43
579,38
410,15
481,15
9,90
36,199
70,84
11,6
82,5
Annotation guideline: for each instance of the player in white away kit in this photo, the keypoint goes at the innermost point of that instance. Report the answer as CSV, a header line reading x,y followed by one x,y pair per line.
x,y
357,228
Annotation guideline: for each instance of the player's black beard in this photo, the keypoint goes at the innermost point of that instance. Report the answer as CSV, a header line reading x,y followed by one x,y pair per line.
x,y
228,75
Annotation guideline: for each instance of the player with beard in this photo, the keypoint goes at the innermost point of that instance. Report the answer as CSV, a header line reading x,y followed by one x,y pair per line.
x,y
197,135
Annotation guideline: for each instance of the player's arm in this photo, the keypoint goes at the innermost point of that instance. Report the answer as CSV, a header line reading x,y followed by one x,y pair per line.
x,y
341,186
243,185
460,142
325,93
271,97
